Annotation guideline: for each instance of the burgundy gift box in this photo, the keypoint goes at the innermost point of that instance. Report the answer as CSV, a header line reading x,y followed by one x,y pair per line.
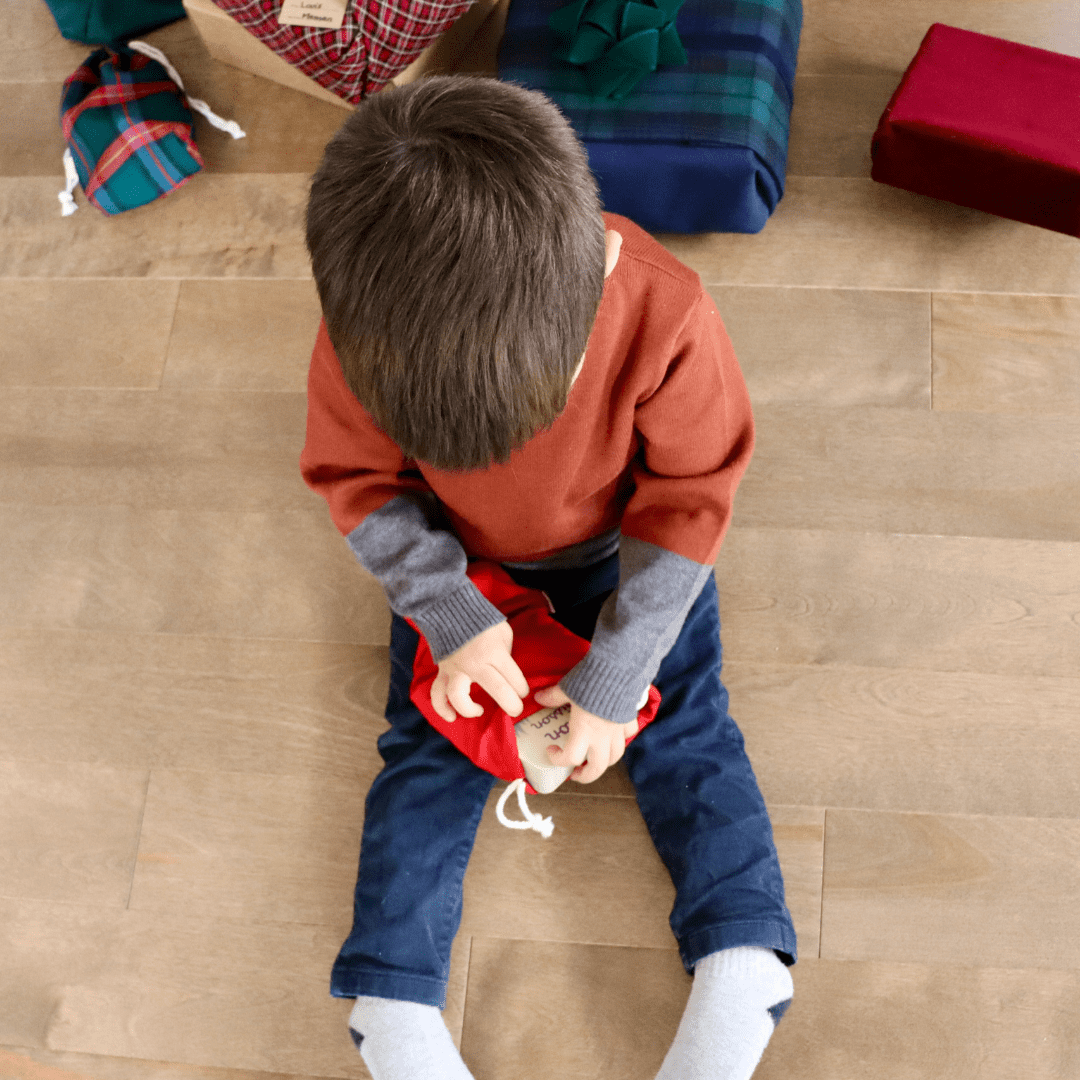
x,y
989,124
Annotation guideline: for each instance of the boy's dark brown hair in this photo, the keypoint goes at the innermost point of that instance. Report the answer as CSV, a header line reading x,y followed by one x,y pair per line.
x,y
457,244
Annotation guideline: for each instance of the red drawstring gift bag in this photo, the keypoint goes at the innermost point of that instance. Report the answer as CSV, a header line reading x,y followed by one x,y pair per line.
x,y
545,650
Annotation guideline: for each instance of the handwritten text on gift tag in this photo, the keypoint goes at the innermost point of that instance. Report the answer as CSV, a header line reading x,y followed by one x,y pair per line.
x,y
326,14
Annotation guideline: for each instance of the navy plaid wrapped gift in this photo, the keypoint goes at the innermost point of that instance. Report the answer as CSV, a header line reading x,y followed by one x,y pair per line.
x,y
698,148
128,128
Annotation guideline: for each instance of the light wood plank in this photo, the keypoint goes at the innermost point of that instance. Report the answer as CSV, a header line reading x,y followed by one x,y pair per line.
x,y
600,847
144,700
244,846
232,995
971,474
849,232
833,121
970,743
538,1009
24,1063
31,140
889,471
994,891
793,596
218,993
799,832
106,337
216,574
243,335
216,226
31,47
937,603
900,1021
166,450
46,948
1008,354
848,36
835,347
68,831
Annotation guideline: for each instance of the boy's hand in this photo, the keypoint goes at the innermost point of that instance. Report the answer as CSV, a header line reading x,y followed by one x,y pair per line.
x,y
485,660
593,744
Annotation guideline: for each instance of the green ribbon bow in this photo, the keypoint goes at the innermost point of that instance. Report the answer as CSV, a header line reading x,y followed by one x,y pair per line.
x,y
618,42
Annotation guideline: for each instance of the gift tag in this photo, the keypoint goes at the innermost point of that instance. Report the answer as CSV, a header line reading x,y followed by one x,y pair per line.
x,y
325,14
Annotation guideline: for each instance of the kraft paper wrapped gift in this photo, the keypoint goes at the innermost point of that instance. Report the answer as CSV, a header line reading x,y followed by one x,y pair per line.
x,y
989,124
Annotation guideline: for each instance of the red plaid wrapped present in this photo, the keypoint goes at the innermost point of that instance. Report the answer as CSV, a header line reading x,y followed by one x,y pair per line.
x,y
377,41
989,124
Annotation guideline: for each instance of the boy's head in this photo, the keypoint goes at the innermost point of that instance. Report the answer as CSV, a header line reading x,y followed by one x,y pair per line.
x,y
458,247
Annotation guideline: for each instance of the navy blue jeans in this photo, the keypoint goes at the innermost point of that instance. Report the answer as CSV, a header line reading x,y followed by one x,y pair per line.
x,y
694,784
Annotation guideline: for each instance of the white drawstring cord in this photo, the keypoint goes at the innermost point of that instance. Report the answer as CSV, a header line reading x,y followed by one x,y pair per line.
x,y
67,202
200,106
542,825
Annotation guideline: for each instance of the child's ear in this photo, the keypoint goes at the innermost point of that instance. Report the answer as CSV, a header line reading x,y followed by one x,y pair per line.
x,y
613,243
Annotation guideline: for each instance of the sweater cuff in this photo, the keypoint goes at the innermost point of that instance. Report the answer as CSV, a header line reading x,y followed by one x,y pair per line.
x,y
456,619
605,689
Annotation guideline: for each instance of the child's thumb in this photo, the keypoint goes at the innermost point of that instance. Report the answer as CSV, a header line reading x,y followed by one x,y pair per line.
x,y
550,697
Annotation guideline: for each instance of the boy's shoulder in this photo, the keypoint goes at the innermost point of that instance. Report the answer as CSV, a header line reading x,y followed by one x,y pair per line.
x,y
650,254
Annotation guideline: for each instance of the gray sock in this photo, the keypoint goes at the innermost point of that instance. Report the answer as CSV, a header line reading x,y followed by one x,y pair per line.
x,y
404,1040
736,1001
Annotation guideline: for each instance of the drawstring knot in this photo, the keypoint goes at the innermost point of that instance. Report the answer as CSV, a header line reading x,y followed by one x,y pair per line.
x,y
542,825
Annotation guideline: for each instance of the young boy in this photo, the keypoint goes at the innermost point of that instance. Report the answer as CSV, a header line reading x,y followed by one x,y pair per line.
x,y
505,372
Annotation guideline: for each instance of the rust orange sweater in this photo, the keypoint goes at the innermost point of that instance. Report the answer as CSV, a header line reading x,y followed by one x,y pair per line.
x,y
646,456
655,437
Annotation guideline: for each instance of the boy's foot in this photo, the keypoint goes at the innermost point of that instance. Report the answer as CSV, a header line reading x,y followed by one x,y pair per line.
x,y
404,1040
736,1001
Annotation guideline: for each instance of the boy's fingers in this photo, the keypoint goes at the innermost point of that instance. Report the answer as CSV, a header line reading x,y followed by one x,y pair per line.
x,y
515,680
572,754
590,771
439,702
551,696
458,695
507,666
494,682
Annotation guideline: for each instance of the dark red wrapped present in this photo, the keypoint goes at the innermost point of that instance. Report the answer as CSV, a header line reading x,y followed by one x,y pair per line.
x,y
989,124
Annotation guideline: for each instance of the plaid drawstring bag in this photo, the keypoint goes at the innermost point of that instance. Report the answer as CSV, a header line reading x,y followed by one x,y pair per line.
x,y
127,123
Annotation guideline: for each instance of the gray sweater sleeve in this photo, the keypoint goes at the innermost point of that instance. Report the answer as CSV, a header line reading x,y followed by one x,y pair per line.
x,y
637,627
408,545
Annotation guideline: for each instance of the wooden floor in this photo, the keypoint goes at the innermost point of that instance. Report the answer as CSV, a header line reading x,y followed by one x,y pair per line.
x,y
193,668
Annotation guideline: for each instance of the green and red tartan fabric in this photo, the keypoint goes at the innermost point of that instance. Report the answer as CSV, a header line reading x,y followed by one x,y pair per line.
x,y
129,130
378,39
